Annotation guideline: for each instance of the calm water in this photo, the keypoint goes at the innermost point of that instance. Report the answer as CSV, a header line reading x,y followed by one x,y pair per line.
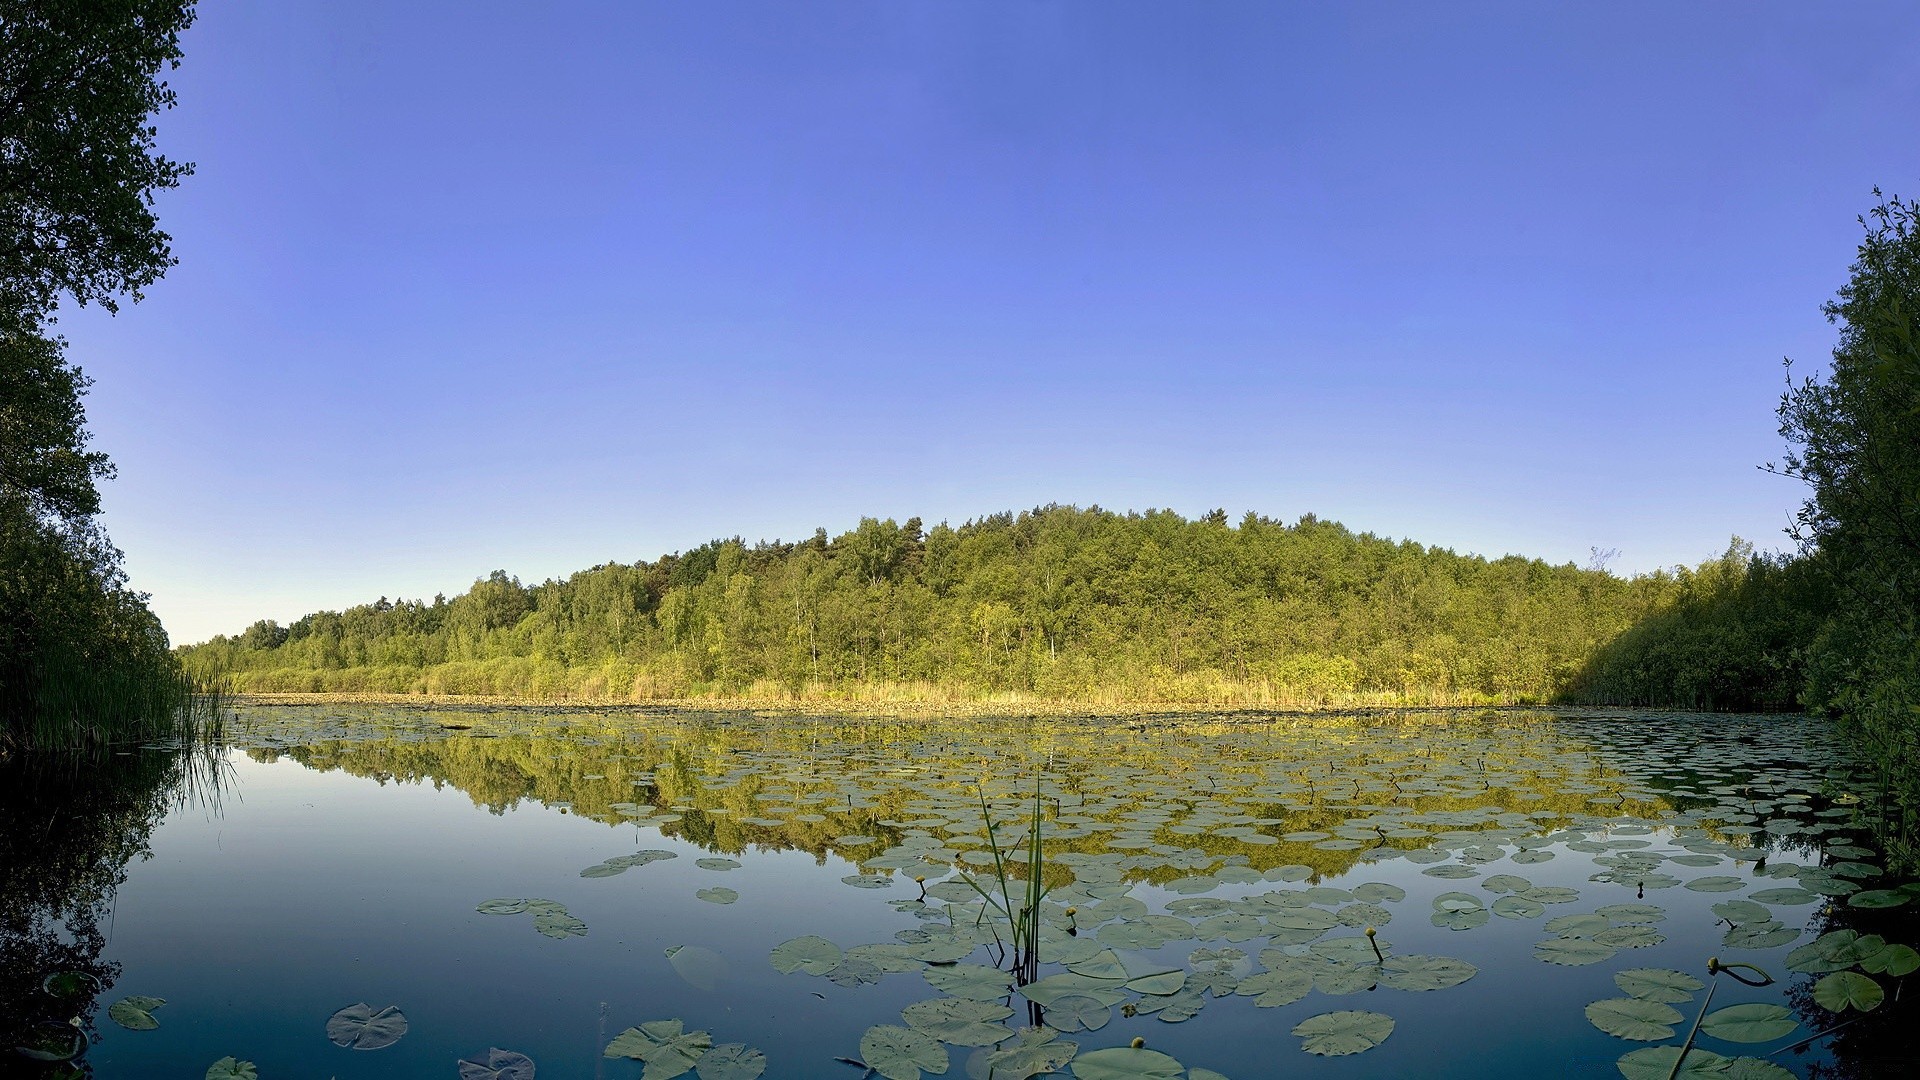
x,y
647,867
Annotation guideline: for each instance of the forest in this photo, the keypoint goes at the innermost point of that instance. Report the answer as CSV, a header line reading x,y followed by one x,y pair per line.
x,y
1057,602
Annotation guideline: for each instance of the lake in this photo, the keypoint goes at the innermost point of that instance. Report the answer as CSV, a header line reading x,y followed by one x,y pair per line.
x,y
730,895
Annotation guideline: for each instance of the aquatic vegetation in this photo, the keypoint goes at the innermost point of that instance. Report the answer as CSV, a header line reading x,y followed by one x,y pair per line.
x,y
135,1013
361,1027
497,1064
228,1068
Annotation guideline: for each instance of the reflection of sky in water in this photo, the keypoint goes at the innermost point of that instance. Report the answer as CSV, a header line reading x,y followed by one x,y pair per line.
x,y
313,890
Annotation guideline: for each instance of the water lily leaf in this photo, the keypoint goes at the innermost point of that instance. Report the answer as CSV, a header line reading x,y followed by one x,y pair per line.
x,y
852,972
1845,990
1835,950
1656,1063
1787,897
1337,1034
1742,912
1748,1068
1893,960
1750,1023
718,894
604,869
1573,952
869,881
811,954
1145,980
502,906
1126,1063
1105,964
1506,883
972,981
667,1050
1033,1051
1629,937
1077,1012
1581,926
889,958
1172,1008
1466,919
1377,892
730,1061
1518,907
229,1069
1765,935
701,967
1050,989
717,864
1271,989
959,1021
899,1053
1879,898
497,1064
1657,984
135,1013
1630,914
1425,972
1451,870
359,1027
1634,1018
1716,883
559,925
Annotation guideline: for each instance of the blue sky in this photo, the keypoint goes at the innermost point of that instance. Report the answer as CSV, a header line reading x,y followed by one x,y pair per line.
x,y
474,285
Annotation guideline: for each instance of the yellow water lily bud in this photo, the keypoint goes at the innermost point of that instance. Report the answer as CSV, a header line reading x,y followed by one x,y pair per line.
x,y
1138,1042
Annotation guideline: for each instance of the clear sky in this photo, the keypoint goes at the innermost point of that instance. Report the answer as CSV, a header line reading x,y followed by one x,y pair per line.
x,y
468,285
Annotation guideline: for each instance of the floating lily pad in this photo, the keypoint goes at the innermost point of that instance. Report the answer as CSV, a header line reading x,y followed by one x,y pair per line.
x,y
1879,898
227,1068
501,907
958,1021
1077,1012
664,1045
1656,1063
497,1064
1272,989
717,864
1573,952
1634,1018
810,954
718,894
700,966
1032,1052
360,1027
971,981
730,1061
1718,883
1892,960
900,1053
1845,990
1751,1023
1425,972
1337,1034
1657,984
135,1013
1126,1063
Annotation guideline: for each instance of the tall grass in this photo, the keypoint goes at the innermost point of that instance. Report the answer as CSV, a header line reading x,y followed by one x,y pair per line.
x,y
71,704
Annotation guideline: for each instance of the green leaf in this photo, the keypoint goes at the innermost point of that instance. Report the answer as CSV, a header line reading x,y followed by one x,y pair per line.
x,y
1878,898
959,1021
1656,1062
731,1061
229,1069
1717,883
1077,1012
1634,1018
1425,972
1893,960
718,894
1657,984
1272,989
973,981
1573,952
1747,1068
1126,1063
1848,989
663,1045
501,907
810,954
359,1027
1337,1034
899,1053
135,1013
1034,1051
497,1064
1750,1023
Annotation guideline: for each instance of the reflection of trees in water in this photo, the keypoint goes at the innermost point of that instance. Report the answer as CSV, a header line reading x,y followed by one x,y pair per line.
x,y
69,826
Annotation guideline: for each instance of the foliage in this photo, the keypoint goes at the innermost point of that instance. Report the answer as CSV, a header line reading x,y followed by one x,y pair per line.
x,y
1856,435
1058,602
80,655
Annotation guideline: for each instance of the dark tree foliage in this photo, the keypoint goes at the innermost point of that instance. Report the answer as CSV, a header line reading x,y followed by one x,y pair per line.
x,y
1856,438
78,169
80,654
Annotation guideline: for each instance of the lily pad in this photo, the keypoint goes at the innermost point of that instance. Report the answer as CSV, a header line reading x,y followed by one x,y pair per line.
x,y
360,1027
1893,960
228,1068
1573,952
1656,1063
135,1013
1337,1034
667,1049
718,894
1032,1052
1126,1063
958,1021
700,966
1634,1018
497,1064
810,954
1751,1023
899,1053
1425,972
730,1061
974,981
1657,984
1845,990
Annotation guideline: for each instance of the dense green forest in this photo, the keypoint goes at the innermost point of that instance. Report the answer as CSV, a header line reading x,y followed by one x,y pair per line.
x,y
1056,602
81,656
